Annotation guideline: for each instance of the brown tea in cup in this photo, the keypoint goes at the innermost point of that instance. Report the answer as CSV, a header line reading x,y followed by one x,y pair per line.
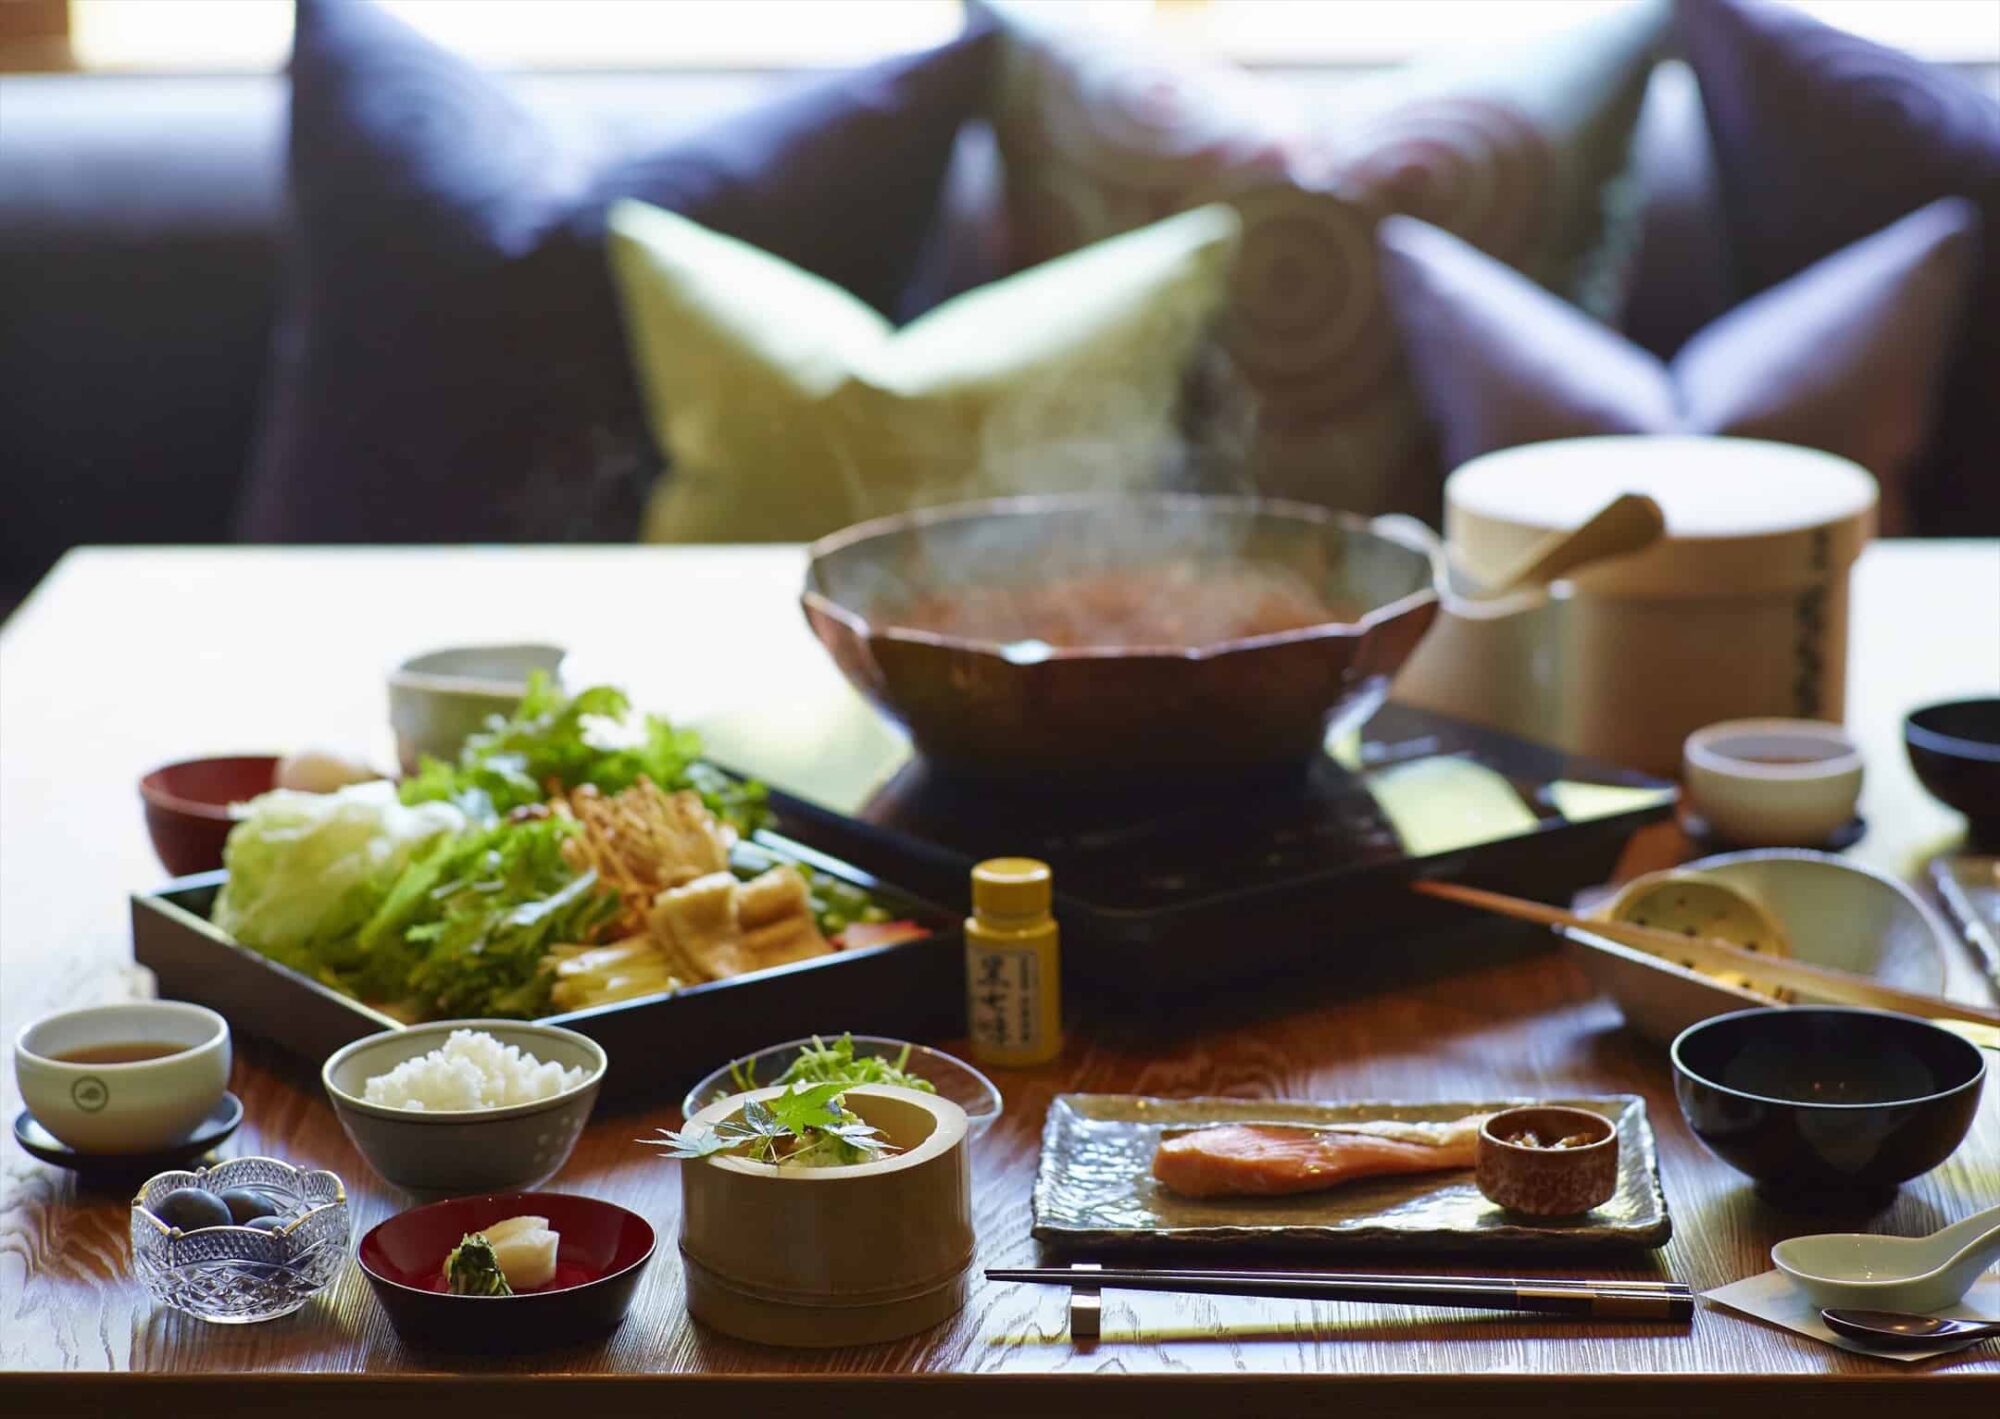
x,y
128,1053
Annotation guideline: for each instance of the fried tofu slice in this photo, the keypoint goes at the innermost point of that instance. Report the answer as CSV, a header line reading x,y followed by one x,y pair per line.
x,y
780,943
695,926
716,927
773,896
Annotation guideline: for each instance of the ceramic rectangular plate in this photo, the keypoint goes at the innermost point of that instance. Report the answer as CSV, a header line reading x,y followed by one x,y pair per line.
x,y
1096,1187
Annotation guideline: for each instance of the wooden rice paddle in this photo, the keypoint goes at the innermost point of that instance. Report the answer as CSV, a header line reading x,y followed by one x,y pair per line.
x,y
1763,972
1628,523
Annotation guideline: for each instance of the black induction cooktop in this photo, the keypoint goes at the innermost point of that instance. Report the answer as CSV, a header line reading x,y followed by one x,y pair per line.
x,y
1173,886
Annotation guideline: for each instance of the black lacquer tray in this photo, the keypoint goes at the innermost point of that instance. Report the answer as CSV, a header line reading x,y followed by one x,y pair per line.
x,y
657,1046
1175,888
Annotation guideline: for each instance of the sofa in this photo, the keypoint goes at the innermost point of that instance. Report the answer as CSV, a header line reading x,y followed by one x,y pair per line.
x,y
139,269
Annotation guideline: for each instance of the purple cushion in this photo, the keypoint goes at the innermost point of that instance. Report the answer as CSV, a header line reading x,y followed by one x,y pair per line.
x,y
449,365
1519,150
1822,137
1846,356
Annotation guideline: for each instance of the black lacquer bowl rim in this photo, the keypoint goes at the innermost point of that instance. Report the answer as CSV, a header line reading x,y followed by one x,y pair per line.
x,y
1684,1072
1920,732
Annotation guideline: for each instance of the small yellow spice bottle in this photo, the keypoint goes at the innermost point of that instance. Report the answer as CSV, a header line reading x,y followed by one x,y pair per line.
x,y
1013,975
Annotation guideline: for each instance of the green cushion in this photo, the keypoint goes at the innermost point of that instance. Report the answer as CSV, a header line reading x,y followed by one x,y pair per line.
x,y
787,408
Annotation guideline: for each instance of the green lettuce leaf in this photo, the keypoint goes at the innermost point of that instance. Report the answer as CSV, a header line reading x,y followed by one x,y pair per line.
x,y
469,923
308,870
556,742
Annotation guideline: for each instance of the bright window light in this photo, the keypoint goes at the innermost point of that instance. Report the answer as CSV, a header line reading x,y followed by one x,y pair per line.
x,y
1389,31
639,34
531,34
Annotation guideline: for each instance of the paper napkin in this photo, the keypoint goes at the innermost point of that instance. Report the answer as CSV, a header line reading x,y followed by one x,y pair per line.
x,y
1773,1297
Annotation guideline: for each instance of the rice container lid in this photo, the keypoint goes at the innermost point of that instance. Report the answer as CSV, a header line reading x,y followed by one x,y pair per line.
x,y
1744,516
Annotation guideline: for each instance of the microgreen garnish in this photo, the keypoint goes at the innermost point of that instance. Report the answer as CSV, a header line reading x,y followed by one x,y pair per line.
x,y
823,1063
806,1125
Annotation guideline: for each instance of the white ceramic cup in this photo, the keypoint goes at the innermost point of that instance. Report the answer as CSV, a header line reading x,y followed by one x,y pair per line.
x,y
124,1108
438,698
1772,782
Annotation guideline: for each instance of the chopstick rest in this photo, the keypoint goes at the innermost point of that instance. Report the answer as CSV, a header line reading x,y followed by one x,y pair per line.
x,y
1086,1307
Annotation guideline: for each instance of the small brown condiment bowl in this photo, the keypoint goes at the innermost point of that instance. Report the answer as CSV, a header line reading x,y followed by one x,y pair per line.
x,y
1548,1182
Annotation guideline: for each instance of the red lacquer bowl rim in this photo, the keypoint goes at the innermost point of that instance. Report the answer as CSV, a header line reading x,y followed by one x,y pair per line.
x,y
527,1202
152,786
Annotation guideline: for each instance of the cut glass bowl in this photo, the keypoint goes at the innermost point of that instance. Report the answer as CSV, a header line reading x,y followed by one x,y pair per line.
x,y
236,1275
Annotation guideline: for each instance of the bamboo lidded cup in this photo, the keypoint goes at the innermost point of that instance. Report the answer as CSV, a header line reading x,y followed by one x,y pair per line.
x,y
849,1255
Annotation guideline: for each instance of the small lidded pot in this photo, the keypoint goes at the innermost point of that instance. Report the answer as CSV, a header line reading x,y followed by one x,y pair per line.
x,y
1547,1160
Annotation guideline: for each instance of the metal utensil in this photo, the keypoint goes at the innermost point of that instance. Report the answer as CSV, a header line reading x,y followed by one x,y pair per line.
x,y
1900,1328
1969,887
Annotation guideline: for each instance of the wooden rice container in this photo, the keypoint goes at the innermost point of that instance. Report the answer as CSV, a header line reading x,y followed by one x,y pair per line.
x,y
1738,612
832,1256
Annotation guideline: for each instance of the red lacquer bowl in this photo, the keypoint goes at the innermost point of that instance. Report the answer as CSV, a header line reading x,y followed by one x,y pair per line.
x,y
604,1249
187,806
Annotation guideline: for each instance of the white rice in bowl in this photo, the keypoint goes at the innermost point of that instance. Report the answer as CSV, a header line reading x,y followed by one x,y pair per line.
x,y
471,1070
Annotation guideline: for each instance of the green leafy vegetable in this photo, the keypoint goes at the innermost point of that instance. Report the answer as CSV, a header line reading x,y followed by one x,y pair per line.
x,y
469,923
837,905
592,737
473,1270
806,1125
836,1063
307,870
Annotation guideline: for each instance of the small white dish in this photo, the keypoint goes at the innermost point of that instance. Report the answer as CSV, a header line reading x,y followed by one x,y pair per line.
x,y
1834,913
1772,782
438,698
138,1107
1914,1274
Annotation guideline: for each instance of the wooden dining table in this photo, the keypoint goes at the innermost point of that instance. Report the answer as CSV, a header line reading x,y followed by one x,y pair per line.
x,y
127,658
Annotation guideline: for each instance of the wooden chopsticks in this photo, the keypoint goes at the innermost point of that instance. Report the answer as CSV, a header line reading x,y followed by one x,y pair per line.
x,y
1589,1300
1765,972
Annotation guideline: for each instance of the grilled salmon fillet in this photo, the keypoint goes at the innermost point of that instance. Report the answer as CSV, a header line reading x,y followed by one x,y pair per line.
x,y
1270,1159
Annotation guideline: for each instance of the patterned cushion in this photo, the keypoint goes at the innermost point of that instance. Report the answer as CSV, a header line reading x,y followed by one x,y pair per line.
x,y
1846,356
1822,137
1516,153
790,409
449,362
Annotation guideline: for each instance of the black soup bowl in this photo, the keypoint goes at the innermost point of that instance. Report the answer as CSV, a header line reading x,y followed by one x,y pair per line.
x,y
1954,749
1812,1098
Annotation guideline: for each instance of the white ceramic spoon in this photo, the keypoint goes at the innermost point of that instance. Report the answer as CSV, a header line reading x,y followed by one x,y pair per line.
x,y
1854,1269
